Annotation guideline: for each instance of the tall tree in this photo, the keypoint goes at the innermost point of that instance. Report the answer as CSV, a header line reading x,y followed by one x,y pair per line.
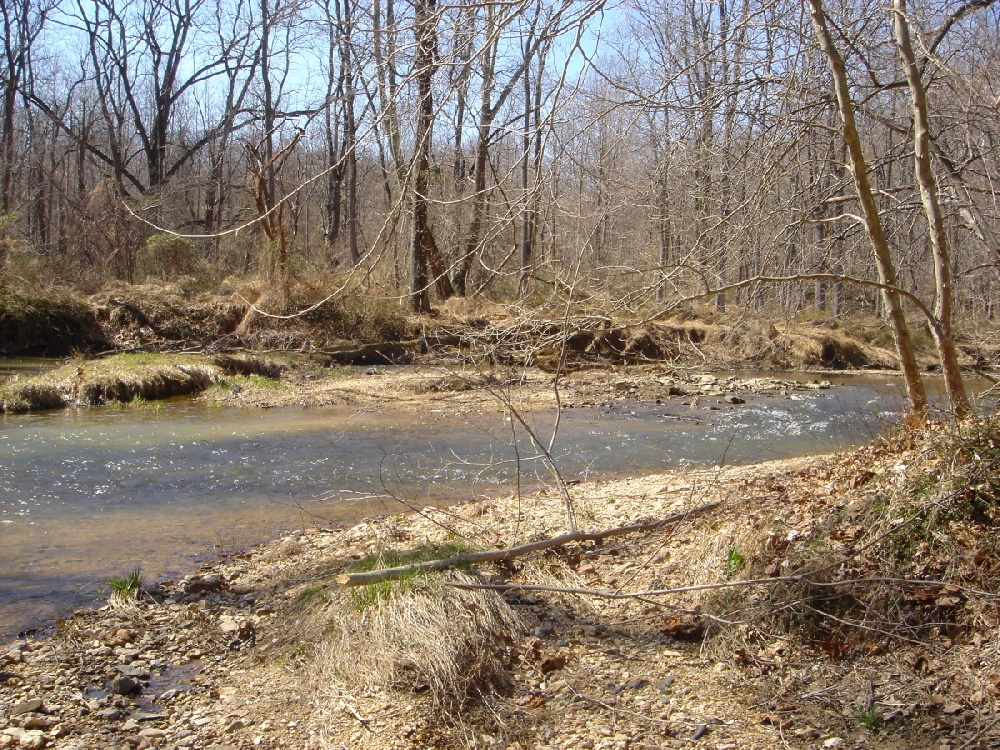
x,y
872,220
941,325
425,64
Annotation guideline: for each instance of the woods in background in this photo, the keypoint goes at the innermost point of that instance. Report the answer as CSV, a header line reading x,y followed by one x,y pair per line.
x,y
637,152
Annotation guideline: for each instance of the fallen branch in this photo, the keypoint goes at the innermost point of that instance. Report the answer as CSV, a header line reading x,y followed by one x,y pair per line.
x,y
385,353
500,555
648,593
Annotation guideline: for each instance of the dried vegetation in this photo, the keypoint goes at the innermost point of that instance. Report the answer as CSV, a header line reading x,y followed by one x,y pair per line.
x,y
128,378
419,636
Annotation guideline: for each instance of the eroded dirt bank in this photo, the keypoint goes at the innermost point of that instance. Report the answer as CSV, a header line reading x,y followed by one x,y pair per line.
x,y
894,646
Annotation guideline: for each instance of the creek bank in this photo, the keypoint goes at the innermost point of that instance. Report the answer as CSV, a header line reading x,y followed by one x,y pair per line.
x,y
128,378
358,329
238,655
311,380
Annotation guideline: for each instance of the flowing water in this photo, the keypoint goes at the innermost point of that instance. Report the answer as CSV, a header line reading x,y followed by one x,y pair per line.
x,y
88,494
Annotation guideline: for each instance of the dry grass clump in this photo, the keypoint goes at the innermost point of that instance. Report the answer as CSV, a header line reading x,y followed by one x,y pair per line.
x,y
140,313
121,378
322,311
901,541
248,364
144,382
28,395
420,636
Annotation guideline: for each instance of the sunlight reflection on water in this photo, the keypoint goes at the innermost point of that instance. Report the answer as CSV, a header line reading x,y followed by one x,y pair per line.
x,y
85,494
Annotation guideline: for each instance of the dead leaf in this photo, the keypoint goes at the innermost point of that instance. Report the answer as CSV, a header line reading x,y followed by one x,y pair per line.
x,y
684,629
775,721
833,647
947,601
552,663
860,479
535,701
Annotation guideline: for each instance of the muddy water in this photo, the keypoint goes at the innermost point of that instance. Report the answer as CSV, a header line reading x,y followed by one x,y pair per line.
x,y
87,494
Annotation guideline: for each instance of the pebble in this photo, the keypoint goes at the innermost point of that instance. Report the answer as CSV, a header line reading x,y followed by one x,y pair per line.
x,y
34,704
125,685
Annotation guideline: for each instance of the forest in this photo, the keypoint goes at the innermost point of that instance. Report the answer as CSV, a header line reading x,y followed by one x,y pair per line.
x,y
767,156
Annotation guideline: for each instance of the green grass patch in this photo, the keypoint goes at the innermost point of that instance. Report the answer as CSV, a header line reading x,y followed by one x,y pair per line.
x,y
363,597
734,561
126,588
869,718
315,593
133,379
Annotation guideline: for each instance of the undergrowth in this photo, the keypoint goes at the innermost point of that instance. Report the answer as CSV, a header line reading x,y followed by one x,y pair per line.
x,y
53,323
427,637
906,553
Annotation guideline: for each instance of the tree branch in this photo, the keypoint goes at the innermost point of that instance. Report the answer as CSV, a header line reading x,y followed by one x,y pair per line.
x,y
389,574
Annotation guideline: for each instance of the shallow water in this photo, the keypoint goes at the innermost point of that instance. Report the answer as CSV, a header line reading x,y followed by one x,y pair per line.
x,y
11,366
87,494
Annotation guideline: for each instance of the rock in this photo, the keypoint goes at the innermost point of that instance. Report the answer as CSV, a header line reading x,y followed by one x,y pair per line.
x,y
111,714
699,731
238,631
664,684
138,673
38,722
544,630
125,685
34,704
735,400
146,716
153,733
833,742
12,657
201,584
552,663
32,740
636,684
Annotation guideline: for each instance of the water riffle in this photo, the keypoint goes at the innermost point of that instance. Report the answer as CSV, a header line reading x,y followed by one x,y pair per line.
x,y
86,494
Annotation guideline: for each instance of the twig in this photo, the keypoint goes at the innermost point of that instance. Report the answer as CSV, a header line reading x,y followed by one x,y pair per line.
x,y
608,594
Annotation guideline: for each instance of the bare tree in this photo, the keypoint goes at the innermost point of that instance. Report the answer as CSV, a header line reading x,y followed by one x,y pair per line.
x,y
872,221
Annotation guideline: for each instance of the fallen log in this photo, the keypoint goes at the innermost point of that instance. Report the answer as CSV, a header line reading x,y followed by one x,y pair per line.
x,y
386,353
500,555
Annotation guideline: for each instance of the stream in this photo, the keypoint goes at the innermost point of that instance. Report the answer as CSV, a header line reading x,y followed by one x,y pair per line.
x,y
86,494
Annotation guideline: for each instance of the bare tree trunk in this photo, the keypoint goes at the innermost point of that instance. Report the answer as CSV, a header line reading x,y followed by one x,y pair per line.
x,y
487,112
873,224
350,130
331,121
424,64
527,218
941,327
